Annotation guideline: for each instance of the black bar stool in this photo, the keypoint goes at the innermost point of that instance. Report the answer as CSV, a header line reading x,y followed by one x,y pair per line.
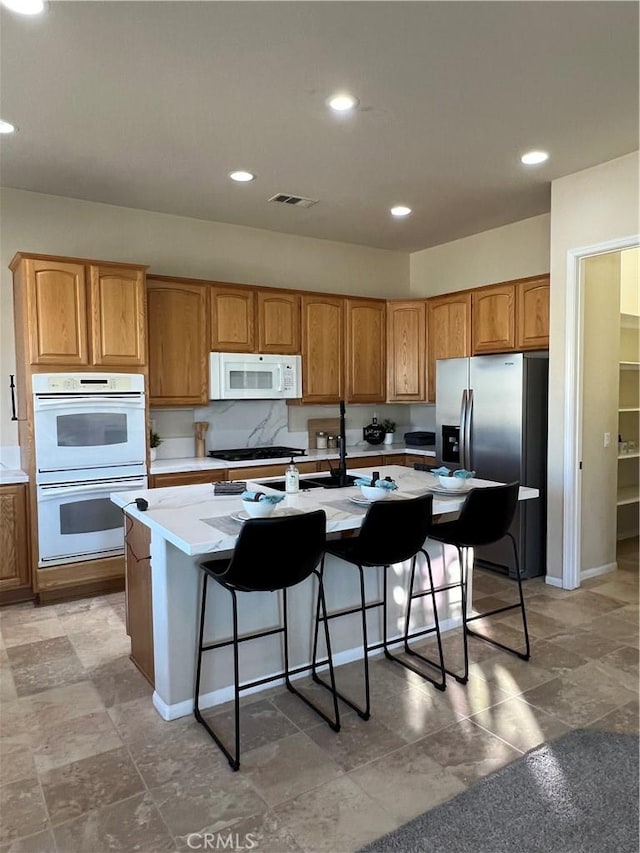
x,y
392,531
485,518
271,554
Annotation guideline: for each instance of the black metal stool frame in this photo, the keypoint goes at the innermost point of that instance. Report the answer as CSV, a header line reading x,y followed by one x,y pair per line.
x,y
364,606
510,490
234,757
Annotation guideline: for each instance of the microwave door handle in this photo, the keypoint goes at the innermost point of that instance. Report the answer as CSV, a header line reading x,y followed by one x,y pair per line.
x,y
280,378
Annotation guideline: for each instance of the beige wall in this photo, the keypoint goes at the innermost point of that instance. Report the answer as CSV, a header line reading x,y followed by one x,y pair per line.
x,y
512,251
587,209
175,245
630,281
601,276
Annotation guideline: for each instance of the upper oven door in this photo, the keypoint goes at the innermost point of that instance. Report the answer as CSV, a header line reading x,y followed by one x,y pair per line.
x,y
82,431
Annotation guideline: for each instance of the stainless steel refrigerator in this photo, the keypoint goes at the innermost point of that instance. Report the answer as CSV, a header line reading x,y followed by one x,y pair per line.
x,y
491,417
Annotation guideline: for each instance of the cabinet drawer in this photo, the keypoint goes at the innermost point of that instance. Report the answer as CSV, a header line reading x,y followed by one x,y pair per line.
x,y
186,478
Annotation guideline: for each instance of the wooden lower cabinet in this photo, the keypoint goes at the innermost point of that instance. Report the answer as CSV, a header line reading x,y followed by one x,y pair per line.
x,y
186,478
262,471
15,575
139,614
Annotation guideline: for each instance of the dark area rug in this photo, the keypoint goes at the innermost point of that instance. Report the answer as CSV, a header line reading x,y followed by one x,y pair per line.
x,y
578,794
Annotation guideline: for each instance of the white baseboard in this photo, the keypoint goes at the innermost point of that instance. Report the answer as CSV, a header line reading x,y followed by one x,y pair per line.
x,y
557,582
225,694
585,574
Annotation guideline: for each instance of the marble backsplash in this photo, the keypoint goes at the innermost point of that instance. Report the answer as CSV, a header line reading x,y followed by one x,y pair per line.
x,y
253,423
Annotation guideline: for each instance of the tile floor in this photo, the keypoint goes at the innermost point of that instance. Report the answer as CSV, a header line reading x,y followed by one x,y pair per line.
x,y
88,766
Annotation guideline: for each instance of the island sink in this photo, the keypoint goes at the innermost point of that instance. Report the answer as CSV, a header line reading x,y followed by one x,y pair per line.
x,y
321,482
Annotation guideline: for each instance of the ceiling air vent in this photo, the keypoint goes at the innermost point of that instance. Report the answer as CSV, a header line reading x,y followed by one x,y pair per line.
x,y
293,200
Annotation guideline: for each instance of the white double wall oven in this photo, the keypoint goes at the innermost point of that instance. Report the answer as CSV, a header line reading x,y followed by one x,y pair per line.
x,y
90,441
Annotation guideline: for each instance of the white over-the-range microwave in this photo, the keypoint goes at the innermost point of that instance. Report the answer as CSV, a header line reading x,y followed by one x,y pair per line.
x,y
252,376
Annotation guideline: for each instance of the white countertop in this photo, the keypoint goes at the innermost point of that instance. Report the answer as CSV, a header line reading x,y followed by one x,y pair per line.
x,y
10,476
184,515
183,465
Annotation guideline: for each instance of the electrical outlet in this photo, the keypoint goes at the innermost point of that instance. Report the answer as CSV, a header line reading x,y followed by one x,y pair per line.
x,y
607,439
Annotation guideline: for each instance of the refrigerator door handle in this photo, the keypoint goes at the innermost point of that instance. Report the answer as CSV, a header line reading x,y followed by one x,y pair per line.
x,y
462,450
468,462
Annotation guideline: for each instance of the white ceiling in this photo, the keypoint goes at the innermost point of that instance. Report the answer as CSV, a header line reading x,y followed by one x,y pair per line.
x,y
151,104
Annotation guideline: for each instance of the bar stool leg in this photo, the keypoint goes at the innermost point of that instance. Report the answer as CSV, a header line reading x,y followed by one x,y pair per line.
x,y
365,712
203,601
464,558
526,655
441,683
234,760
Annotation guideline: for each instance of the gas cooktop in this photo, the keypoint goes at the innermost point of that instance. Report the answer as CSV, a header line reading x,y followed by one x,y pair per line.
x,y
244,454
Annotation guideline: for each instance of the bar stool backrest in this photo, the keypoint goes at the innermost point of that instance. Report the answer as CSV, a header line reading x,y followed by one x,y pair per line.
x,y
393,531
486,515
275,553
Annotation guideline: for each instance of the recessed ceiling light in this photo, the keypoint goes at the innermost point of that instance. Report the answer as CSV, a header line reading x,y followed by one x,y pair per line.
x,y
534,158
5,127
400,210
341,102
241,177
24,7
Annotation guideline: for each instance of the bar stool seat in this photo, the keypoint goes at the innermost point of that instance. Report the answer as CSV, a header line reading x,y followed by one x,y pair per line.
x,y
485,518
271,554
393,531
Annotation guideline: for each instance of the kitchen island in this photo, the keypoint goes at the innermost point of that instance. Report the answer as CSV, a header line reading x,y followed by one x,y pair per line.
x,y
187,522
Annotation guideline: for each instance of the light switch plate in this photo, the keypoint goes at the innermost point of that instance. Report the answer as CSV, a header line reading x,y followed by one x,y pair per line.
x,y
607,439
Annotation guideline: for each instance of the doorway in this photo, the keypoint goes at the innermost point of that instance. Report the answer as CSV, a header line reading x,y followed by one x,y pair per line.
x,y
599,483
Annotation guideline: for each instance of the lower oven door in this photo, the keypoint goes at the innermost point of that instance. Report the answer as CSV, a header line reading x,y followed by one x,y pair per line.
x,y
78,521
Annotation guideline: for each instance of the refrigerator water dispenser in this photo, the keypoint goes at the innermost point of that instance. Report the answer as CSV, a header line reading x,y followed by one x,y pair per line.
x,y
451,444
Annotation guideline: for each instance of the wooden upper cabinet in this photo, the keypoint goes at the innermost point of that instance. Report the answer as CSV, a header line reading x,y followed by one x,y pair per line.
x,y
178,343
533,314
56,313
494,318
406,350
117,309
76,312
278,322
322,348
232,319
366,374
448,332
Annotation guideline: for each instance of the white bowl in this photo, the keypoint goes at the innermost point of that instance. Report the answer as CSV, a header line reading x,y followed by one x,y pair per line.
x,y
373,493
259,509
453,484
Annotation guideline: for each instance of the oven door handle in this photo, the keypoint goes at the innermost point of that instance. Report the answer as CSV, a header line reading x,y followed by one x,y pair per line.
x,y
45,492
81,402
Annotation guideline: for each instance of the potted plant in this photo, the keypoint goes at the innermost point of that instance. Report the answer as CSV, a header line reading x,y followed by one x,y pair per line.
x,y
154,441
389,429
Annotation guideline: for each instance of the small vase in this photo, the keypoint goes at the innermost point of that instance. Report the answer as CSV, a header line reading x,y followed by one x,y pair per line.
x,y
388,438
152,454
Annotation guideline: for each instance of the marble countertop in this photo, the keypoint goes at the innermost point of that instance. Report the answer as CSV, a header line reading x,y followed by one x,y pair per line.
x,y
10,476
186,515
184,465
